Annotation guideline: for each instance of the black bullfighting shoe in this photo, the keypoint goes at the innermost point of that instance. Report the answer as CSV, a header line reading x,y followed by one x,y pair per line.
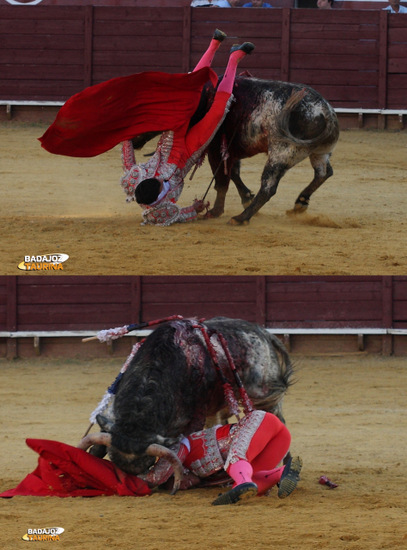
x,y
246,47
290,477
219,35
244,491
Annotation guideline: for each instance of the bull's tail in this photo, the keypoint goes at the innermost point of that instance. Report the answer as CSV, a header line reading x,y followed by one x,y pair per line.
x,y
272,401
327,129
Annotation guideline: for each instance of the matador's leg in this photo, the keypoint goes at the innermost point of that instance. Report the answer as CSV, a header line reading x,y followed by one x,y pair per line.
x,y
207,58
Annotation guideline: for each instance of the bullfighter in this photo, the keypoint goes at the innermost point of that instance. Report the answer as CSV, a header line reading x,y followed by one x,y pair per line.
x,y
157,184
249,451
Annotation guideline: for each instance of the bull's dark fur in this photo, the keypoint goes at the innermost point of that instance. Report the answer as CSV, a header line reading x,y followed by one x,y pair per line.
x,y
171,385
262,120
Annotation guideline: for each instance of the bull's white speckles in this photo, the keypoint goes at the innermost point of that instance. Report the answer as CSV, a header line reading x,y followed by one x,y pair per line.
x,y
313,110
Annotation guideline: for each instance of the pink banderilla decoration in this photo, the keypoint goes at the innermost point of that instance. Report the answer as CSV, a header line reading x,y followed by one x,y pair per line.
x,y
323,480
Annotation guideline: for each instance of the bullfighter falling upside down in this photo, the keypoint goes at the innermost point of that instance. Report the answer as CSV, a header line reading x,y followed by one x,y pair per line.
x,y
157,184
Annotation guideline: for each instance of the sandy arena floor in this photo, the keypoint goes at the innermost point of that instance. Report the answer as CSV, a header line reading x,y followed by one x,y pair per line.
x,y
356,223
348,418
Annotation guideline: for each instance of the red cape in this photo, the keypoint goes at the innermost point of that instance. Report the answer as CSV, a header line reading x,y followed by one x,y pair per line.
x,y
101,116
66,471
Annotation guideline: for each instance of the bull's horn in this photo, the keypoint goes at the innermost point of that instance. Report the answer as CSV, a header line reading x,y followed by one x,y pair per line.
x,y
105,423
100,438
162,452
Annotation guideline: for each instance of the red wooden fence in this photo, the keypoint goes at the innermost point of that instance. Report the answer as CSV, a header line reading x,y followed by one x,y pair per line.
x,y
358,313
356,59
94,302
338,4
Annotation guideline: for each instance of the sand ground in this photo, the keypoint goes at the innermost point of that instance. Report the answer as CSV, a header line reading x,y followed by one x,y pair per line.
x,y
356,223
348,419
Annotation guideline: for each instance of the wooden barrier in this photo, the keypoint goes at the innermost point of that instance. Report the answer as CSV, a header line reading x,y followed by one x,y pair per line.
x,y
50,314
95,302
356,59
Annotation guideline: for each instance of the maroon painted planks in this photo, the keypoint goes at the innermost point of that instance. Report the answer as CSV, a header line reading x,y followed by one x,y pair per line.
x,y
340,62
75,279
335,31
396,51
40,26
335,77
333,292
172,279
145,13
43,58
397,35
395,22
247,19
41,13
42,42
324,311
40,90
397,65
35,72
314,279
190,292
72,317
396,97
134,48
141,29
72,294
332,47
328,17
400,311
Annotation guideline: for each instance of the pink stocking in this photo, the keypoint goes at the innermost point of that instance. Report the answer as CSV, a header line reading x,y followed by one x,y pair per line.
x,y
266,479
207,58
269,444
241,472
229,77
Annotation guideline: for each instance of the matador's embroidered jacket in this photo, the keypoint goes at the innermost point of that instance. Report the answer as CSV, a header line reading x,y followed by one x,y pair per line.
x,y
173,159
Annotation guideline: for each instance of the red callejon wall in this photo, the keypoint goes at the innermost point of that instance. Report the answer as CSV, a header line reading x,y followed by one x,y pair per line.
x,y
96,302
129,3
339,4
41,303
356,59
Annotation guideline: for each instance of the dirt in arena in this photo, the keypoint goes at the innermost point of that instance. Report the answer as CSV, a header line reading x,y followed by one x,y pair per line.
x,y
356,223
348,419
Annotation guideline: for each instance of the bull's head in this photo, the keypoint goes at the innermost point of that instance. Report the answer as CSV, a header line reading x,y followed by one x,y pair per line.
x,y
133,462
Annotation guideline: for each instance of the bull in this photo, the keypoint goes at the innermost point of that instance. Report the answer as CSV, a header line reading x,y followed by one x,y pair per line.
x,y
288,122
171,386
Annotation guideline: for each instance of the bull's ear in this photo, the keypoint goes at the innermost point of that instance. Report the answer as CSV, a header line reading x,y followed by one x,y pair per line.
x,y
104,423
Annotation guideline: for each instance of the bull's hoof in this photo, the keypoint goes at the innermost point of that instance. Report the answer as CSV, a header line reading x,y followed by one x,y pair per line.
x,y
213,214
301,204
300,208
247,201
236,221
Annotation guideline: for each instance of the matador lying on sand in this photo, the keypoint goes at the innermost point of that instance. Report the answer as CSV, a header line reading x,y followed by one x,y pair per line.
x,y
248,451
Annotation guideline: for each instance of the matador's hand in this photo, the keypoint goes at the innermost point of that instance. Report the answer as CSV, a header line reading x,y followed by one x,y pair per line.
x,y
199,205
